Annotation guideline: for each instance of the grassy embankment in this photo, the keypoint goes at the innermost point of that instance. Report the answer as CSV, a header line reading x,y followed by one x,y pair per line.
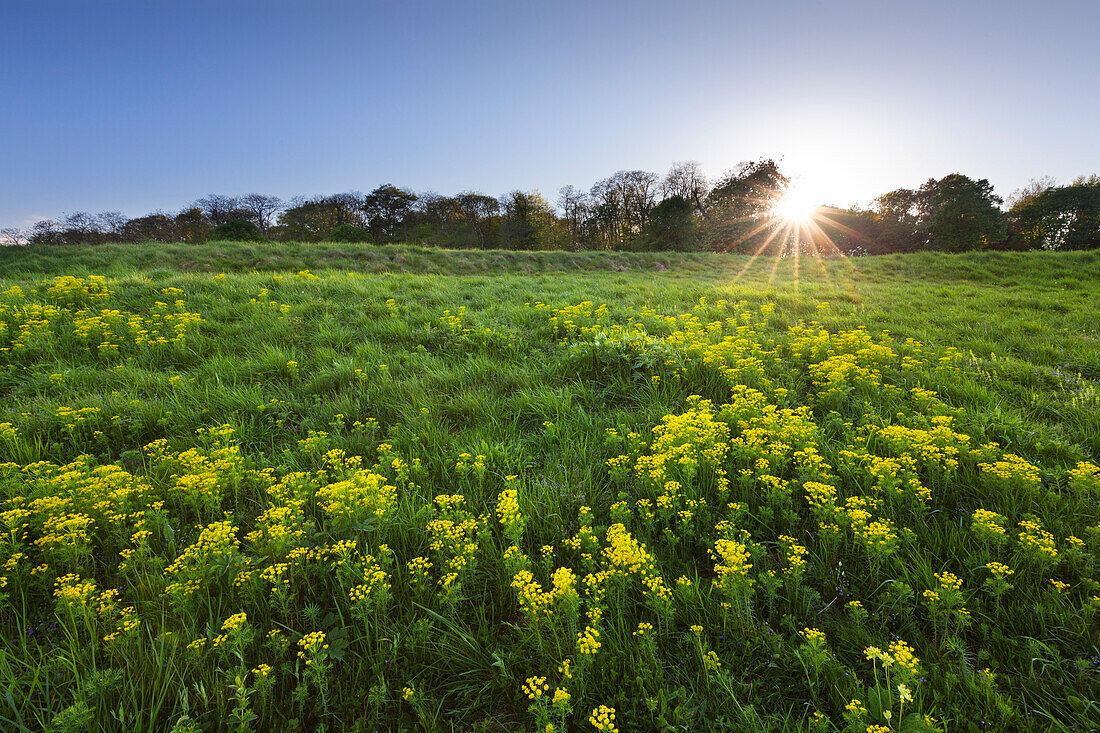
x,y
829,463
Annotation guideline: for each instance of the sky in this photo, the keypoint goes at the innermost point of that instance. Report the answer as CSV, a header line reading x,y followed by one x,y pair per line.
x,y
138,106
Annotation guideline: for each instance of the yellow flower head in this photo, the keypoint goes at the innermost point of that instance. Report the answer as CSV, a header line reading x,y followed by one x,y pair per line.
x,y
603,719
534,687
814,637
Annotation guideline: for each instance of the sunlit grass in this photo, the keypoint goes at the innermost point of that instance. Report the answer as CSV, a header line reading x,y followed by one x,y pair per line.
x,y
343,413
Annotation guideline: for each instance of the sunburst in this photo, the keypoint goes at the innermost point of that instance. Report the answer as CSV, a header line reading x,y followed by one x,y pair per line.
x,y
796,206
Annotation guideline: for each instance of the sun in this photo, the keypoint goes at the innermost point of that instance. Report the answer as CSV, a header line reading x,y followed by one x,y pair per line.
x,y
795,206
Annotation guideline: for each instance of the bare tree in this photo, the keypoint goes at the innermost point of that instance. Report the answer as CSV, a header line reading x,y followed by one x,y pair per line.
x,y
46,231
219,209
12,237
621,205
606,214
686,180
111,225
639,191
81,227
574,206
263,208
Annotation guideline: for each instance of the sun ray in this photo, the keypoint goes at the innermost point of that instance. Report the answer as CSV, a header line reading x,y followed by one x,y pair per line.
x,y
775,264
767,223
819,258
796,241
828,240
756,254
817,230
849,231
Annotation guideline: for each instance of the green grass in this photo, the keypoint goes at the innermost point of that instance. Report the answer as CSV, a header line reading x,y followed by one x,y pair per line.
x,y
1007,342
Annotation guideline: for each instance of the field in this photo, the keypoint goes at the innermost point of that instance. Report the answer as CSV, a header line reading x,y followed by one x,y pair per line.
x,y
284,487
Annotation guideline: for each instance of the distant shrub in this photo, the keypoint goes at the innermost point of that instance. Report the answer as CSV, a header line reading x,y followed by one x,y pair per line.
x,y
237,230
348,233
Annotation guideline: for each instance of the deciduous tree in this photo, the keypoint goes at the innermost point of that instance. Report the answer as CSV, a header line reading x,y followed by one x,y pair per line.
x,y
387,208
193,225
671,225
961,214
527,220
262,209
1059,217
686,180
740,205
219,209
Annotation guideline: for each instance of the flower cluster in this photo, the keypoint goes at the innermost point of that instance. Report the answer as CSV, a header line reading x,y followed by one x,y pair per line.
x,y
1036,542
312,647
988,526
603,719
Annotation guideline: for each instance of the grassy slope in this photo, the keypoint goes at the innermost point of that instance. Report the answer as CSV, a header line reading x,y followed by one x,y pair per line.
x,y
1029,320
1034,318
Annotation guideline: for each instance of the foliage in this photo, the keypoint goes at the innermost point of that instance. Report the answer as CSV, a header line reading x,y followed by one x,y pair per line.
x,y
961,214
740,201
193,226
632,210
154,227
386,208
671,226
311,220
526,220
1060,217
348,233
237,230
952,214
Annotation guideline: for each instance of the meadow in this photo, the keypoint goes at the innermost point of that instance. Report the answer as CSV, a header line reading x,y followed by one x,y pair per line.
x,y
293,487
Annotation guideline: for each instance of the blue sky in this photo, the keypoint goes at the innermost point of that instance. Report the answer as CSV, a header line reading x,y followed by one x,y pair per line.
x,y
137,106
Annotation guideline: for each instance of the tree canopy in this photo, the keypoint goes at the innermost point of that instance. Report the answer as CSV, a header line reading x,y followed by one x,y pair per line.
x,y
628,210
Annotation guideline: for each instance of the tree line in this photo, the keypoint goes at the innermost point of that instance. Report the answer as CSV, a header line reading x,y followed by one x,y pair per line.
x,y
630,210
